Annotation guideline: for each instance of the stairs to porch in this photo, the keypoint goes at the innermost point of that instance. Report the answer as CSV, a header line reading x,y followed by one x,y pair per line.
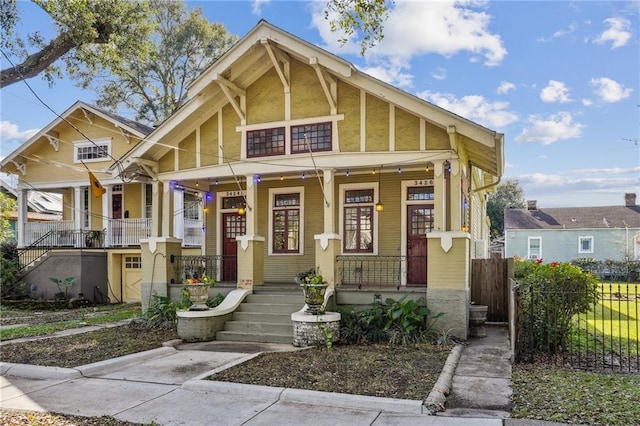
x,y
265,315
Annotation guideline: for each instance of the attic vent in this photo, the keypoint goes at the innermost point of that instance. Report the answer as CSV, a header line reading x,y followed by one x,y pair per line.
x,y
531,205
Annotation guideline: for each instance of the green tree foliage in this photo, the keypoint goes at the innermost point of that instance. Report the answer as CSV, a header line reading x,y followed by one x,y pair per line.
x,y
508,195
112,24
152,79
355,16
551,295
7,205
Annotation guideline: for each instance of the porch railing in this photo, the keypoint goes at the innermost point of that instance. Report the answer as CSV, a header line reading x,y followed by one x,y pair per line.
x,y
127,232
34,231
221,267
373,271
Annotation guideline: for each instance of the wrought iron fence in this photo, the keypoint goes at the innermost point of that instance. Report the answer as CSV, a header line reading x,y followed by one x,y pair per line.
x,y
220,267
604,337
372,271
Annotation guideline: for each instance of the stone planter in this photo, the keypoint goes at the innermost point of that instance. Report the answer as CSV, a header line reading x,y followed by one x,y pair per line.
x,y
198,294
477,318
314,297
315,330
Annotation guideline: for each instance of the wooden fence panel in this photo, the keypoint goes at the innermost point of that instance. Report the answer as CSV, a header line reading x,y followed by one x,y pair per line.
x,y
490,286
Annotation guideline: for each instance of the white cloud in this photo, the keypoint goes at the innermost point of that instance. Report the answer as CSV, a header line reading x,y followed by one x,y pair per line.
x,y
9,130
555,91
560,33
439,73
443,27
618,33
609,90
256,7
505,87
548,130
392,74
475,108
587,102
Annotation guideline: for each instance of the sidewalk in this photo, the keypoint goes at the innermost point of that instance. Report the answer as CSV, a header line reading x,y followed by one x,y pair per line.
x,y
166,386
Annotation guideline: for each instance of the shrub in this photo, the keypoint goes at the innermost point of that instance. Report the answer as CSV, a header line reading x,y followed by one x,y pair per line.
x,y
12,289
401,321
163,311
551,295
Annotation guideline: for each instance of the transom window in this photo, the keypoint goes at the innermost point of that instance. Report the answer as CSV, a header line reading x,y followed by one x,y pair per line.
x,y
232,202
86,151
318,137
133,262
265,142
585,244
358,221
419,193
286,223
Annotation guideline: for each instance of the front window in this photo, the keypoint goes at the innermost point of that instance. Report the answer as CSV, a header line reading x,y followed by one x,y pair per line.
x,y
148,200
85,151
358,221
265,142
191,206
86,208
534,248
585,244
316,137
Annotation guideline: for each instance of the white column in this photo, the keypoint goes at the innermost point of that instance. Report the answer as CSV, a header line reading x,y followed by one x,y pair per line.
x,y
23,197
252,204
156,208
455,207
106,214
440,197
329,202
77,207
167,210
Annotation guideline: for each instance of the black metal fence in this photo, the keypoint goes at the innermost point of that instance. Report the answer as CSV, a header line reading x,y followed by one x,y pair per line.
x,y
220,267
605,337
373,271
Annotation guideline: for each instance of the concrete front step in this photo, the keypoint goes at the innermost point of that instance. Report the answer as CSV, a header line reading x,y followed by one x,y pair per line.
x,y
266,308
287,299
259,328
260,317
251,337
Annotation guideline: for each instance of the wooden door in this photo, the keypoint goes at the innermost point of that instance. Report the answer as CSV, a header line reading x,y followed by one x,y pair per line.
x,y
419,222
233,225
131,278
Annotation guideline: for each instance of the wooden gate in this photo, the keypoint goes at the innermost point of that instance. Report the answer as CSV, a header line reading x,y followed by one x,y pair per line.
x,y
490,286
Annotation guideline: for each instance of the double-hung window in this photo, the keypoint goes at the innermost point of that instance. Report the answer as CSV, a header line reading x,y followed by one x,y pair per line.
x,y
534,248
286,225
358,220
265,142
585,244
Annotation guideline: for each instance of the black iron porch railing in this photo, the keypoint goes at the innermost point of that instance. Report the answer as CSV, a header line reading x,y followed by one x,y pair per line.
x,y
220,267
374,271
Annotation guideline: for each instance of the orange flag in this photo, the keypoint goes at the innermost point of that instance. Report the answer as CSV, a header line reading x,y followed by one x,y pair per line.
x,y
96,187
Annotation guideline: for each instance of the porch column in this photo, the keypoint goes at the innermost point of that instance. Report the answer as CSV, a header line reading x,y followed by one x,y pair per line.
x,y
251,245
106,214
167,210
77,207
439,197
448,268
455,207
157,188
327,244
23,209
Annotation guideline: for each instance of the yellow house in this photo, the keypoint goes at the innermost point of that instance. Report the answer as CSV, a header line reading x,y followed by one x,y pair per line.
x,y
98,237
303,161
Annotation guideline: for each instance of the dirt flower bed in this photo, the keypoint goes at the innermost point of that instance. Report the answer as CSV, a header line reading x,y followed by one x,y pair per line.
x,y
406,372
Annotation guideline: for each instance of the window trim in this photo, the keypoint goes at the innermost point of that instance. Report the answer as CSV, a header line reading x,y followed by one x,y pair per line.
x,y
275,154
585,238
529,239
272,195
85,143
356,186
305,150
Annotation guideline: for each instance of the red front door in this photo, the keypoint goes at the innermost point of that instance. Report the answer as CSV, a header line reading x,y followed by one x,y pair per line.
x,y
233,225
419,222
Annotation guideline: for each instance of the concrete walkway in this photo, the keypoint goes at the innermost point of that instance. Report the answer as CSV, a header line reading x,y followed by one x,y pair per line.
x,y
167,386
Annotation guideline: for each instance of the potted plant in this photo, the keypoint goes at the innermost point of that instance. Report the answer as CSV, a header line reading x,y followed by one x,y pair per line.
x,y
314,287
197,290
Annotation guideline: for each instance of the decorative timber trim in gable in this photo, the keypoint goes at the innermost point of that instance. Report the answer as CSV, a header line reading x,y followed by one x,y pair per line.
x,y
22,167
232,90
329,91
125,134
281,57
88,115
53,139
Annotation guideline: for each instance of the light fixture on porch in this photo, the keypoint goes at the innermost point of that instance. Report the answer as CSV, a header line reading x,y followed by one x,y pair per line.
x,y
242,209
379,205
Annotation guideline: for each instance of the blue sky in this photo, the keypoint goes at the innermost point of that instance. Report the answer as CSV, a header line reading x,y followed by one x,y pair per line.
x,y
560,79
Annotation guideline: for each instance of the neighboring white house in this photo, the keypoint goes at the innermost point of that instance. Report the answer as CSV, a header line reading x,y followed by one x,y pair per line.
x,y
568,233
